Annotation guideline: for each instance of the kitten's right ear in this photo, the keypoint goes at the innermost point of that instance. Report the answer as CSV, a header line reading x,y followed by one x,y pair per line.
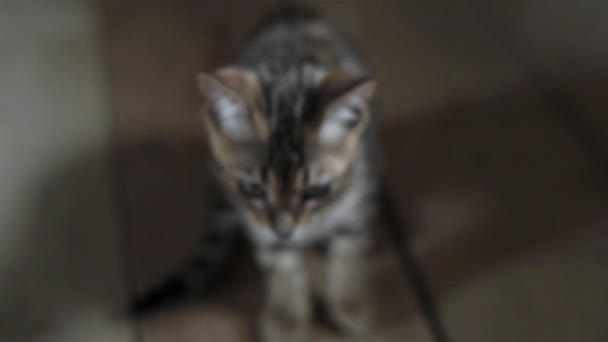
x,y
225,113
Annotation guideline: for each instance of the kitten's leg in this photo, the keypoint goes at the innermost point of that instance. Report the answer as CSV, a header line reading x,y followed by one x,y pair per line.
x,y
286,315
348,292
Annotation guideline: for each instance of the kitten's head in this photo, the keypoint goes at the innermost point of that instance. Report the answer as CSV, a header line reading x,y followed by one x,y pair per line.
x,y
284,141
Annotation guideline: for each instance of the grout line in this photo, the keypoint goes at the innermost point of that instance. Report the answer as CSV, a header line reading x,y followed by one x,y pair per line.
x,y
411,268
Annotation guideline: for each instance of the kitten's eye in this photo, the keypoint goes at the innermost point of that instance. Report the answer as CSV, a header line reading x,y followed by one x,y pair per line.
x,y
315,192
251,189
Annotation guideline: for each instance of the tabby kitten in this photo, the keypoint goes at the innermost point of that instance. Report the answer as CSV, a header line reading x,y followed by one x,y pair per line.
x,y
289,130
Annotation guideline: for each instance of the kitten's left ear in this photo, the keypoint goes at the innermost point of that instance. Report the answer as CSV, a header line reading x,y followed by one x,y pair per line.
x,y
347,112
229,110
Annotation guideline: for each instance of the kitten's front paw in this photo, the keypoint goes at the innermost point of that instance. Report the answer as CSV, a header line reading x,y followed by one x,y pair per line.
x,y
353,315
283,326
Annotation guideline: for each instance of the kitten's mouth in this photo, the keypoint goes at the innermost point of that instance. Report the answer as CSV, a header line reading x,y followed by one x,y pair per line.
x,y
284,235
293,244
282,245
296,239
286,239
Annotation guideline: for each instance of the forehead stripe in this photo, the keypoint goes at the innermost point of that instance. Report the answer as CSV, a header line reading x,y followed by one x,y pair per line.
x,y
287,91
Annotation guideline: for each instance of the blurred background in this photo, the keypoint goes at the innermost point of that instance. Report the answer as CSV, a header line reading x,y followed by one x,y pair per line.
x,y
495,132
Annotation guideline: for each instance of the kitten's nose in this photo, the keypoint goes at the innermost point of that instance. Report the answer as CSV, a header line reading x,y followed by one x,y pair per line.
x,y
284,226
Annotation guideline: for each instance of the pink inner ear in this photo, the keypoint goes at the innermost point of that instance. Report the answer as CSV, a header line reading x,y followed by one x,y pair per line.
x,y
233,119
346,112
338,123
228,111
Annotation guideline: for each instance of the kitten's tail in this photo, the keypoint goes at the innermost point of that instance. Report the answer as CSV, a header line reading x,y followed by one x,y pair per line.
x,y
422,290
200,275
